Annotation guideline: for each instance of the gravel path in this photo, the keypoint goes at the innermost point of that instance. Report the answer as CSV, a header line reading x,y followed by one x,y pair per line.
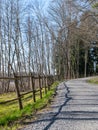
x,y
74,108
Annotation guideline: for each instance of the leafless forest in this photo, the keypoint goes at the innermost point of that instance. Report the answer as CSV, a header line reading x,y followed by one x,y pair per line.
x,y
58,38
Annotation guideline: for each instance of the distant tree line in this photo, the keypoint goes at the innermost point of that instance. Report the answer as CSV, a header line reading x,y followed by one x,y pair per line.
x,y
76,38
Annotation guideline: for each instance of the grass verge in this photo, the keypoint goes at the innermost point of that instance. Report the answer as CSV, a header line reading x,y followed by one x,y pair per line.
x,y
10,112
93,80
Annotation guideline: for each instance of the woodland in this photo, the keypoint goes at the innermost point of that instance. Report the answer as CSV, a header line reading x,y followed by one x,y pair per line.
x,y
58,38
46,40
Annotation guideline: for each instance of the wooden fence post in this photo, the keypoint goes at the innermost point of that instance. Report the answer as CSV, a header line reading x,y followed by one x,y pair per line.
x,y
45,84
52,79
40,87
18,93
33,87
48,82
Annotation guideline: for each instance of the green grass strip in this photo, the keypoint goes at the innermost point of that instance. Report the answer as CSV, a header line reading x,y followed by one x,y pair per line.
x,y
16,114
93,80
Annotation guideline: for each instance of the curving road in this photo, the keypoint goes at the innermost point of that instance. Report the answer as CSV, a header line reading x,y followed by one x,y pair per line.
x,y
74,108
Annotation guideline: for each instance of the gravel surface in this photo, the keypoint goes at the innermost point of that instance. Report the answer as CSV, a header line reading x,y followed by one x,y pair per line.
x,y
74,108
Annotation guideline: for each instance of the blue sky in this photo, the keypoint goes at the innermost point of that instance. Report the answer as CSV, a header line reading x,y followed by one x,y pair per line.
x,y
41,5
40,2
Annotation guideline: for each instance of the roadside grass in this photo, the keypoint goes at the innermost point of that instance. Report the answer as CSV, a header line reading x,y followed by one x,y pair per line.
x,y
10,112
93,80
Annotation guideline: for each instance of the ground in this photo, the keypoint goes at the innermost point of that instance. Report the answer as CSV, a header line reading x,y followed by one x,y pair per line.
x,y
75,107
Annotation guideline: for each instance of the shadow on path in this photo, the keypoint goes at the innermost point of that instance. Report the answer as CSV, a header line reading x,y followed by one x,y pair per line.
x,y
53,115
53,119
64,104
85,109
